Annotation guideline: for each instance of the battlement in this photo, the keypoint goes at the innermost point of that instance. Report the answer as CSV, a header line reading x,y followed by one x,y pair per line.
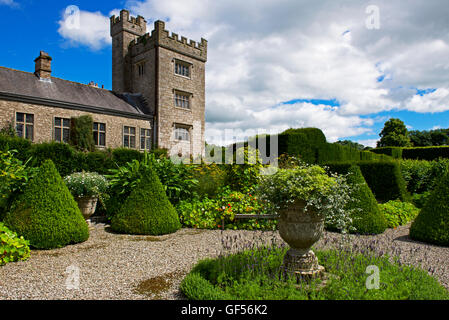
x,y
161,37
125,22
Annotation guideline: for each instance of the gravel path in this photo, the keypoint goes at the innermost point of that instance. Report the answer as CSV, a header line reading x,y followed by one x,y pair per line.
x,y
113,266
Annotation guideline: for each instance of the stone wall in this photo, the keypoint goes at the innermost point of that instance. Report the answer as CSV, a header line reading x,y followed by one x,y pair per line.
x,y
44,121
169,114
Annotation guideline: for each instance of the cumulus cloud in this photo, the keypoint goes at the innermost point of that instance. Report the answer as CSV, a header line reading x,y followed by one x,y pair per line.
x,y
90,29
263,53
10,3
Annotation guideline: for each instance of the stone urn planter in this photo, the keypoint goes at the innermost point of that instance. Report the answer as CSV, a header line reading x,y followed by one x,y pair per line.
x,y
87,206
301,229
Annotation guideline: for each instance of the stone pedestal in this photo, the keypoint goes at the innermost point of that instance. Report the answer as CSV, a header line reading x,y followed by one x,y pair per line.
x,y
302,265
301,229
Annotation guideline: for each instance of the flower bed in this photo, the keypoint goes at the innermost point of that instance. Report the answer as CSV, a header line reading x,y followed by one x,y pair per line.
x,y
257,274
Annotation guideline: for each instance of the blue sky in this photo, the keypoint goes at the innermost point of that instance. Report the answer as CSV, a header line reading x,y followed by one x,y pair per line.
x,y
271,64
36,28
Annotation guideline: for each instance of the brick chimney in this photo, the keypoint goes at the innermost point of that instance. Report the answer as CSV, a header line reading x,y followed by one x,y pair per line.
x,y
43,66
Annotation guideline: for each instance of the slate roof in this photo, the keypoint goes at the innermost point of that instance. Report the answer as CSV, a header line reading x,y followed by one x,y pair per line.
x,y
27,87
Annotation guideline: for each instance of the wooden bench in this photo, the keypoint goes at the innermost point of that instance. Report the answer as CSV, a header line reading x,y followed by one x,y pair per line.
x,y
252,216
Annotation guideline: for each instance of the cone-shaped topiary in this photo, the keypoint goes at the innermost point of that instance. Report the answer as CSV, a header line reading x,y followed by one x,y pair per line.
x,y
46,213
367,217
147,210
432,223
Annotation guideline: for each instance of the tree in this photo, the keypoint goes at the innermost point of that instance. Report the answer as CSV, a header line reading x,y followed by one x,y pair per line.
x,y
351,144
438,137
394,134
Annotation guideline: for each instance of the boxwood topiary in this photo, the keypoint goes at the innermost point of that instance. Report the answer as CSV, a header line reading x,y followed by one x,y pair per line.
x,y
46,213
367,218
147,210
432,223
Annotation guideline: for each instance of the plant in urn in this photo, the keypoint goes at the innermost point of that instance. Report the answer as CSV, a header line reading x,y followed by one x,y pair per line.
x,y
305,197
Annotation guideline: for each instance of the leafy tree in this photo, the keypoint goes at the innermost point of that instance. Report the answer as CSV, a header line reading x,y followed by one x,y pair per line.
x,y
394,134
429,138
351,144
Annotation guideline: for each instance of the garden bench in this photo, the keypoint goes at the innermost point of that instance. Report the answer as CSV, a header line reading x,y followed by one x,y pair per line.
x,y
252,216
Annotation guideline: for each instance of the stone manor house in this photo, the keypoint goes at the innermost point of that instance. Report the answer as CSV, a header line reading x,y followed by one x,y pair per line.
x,y
157,97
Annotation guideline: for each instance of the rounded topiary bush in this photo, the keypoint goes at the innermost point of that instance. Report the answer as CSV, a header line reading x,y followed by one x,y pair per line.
x,y
46,213
147,210
432,223
367,217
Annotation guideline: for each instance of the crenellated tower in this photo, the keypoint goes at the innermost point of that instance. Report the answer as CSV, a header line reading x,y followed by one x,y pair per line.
x,y
124,30
169,71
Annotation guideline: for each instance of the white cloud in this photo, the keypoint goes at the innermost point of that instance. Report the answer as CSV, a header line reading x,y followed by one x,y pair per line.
x,y
10,3
265,52
91,31
437,101
368,142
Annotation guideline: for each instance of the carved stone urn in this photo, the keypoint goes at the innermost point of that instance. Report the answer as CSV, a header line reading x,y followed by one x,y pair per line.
x,y
87,206
301,229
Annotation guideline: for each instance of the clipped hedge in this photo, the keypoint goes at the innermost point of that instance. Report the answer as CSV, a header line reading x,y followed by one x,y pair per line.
x,y
367,218
417,153
394,152
69,160
12,247
46,213
15,143
426,153
147,210
432,223
383,177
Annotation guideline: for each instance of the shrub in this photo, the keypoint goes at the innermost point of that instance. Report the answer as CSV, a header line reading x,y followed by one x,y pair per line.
x,y
14,175
419,199
426,153
122,156
394,152
211,213
81,134
177,179
383,177
21,145
398,213
65,157
421,175
211,179
46,213
243,174
160,153
99,161
147,210
432,223
366,217
12,248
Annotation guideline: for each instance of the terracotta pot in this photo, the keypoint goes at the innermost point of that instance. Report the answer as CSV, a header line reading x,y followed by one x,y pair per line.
x,y
301,229
87,206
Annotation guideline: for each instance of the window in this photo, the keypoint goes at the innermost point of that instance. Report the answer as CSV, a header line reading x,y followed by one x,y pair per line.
x,y
145,139
99,130
182,100
129,137
141,68
182,134
182,69
62,130
25,125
